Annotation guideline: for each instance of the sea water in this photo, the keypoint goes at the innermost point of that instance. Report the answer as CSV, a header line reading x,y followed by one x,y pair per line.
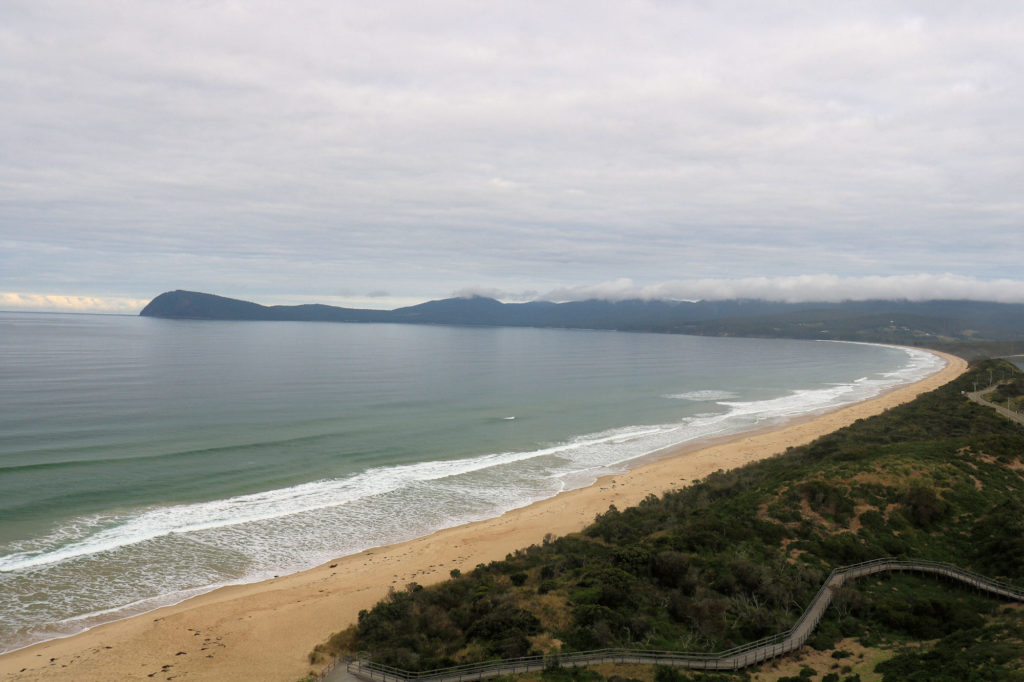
x,y
143,461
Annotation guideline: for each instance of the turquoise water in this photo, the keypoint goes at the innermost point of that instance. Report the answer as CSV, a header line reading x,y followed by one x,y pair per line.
x,y
144,460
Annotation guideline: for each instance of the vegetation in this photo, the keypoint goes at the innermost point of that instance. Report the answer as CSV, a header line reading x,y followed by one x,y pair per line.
x,y
739,555
1009,394
953,324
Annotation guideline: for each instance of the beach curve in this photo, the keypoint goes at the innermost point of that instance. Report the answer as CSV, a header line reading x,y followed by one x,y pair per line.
x,y
265,630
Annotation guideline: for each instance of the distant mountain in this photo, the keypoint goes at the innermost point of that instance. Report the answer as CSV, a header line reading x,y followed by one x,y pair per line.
x,y
906,322
477,310
194,305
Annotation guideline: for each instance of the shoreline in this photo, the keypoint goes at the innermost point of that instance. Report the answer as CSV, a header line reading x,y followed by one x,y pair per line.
x,y
265,630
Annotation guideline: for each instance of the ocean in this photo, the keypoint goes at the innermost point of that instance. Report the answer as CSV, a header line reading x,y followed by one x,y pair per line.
x,y
143,461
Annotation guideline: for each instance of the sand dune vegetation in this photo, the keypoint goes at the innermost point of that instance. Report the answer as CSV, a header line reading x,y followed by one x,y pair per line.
x,y
737,556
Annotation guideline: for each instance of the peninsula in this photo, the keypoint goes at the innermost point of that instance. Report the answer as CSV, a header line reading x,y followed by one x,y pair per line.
x,y
933,324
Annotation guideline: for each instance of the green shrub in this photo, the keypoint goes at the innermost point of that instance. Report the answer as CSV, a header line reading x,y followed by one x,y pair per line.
x,y
730,558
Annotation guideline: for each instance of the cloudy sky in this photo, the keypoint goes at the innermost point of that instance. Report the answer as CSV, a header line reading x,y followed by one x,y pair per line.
x,y
389,153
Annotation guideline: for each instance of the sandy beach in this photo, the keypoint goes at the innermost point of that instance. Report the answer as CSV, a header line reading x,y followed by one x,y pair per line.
x,y
265,631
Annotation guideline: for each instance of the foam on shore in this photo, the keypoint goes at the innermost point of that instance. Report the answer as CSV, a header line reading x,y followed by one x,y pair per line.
x,y
269,627
252,537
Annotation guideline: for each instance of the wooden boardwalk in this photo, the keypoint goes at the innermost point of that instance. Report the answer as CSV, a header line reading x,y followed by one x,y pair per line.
x,y
733,659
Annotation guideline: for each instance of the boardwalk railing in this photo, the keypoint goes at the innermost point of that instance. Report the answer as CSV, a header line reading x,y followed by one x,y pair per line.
x,y
732,659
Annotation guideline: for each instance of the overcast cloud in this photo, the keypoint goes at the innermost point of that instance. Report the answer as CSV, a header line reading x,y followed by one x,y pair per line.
x,y
379,156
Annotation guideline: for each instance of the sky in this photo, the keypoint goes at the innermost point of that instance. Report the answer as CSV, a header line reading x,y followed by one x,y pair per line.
x,y
382,154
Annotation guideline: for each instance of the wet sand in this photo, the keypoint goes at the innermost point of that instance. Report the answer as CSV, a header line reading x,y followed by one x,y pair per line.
x,y
265,631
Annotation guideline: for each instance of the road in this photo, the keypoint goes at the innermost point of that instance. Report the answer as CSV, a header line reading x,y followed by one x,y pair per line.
x,y
976,396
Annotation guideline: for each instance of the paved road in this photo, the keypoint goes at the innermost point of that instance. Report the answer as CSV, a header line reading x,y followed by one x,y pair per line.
x,y
976,396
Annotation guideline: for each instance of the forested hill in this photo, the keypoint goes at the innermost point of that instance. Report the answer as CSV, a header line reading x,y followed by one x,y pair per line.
x,y
908,322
